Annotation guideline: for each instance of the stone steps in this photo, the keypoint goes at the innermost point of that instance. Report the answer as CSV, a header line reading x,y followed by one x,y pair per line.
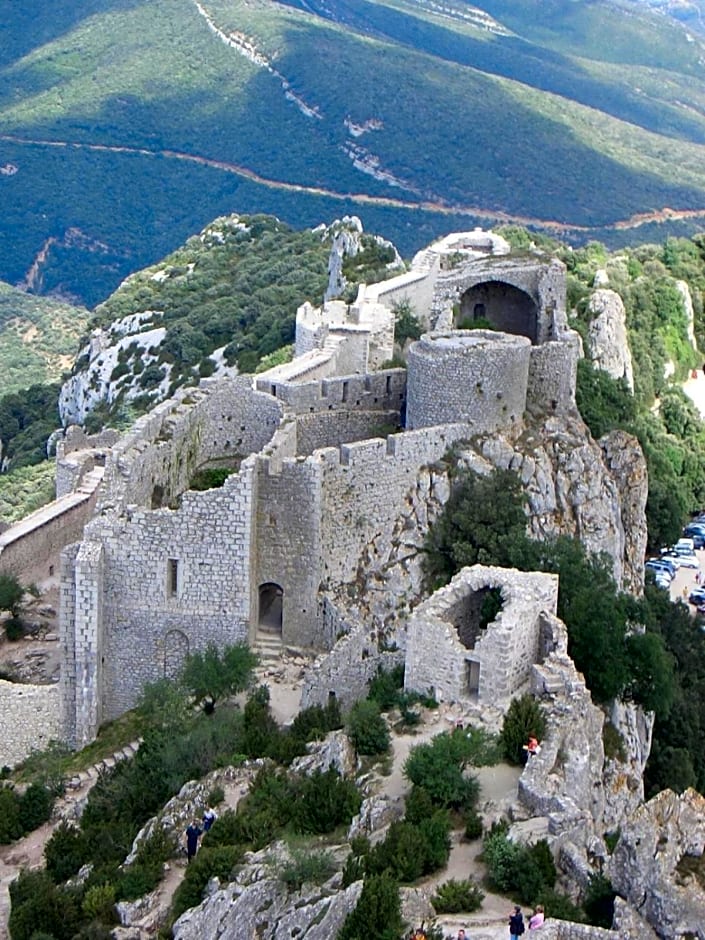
x,y
91,774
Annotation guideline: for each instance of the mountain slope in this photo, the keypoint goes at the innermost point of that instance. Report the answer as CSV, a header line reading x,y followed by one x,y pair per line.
x,y
38,339
126,128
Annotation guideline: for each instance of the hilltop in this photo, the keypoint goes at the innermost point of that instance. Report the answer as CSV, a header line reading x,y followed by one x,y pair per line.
x,y
127,125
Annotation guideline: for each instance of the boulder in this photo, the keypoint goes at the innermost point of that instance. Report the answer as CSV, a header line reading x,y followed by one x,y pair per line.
x,y
658,865
607,337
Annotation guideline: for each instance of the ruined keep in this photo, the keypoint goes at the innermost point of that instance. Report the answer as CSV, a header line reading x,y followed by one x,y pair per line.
x,y
320,472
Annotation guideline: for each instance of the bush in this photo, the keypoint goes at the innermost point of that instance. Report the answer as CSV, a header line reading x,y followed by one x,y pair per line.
x,y
367,729
99,903
38,905
35,806
65,852
377,913
14,629
11,594
524,717
386,686
473,827
599,902
323,801
438,768
307,867
455,897
10,824
523,871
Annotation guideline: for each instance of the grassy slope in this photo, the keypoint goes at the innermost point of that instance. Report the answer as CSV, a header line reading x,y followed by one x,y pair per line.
x,y
462,124
38,339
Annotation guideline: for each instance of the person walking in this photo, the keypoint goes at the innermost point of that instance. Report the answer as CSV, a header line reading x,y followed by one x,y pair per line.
x,y
516,923
192,835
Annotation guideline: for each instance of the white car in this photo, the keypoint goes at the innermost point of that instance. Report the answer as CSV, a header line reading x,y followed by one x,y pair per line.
x,y
682,559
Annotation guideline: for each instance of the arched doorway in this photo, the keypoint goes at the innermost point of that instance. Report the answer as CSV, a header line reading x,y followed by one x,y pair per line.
x,y
269,617
176,649
501,306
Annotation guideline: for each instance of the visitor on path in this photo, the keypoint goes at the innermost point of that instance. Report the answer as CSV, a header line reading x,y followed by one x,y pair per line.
x,y
461,934
209,817
516,924
537,918
192,835
532,746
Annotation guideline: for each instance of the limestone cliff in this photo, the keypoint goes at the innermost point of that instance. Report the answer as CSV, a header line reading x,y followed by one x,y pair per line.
x,y
574,485
608,343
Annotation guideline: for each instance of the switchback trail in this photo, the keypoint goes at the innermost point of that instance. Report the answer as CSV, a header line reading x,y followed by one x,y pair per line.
x,y
438,208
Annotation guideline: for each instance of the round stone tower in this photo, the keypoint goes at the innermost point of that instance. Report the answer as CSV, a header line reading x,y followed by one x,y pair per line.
x,y
475,376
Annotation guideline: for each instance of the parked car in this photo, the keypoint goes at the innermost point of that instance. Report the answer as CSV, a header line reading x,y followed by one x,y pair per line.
x,y
662,581
685,546
697,596
696,531
681,560
664,567
665,562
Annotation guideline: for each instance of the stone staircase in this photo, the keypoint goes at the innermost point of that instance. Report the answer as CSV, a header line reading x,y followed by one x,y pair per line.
x,y
268,644
91,774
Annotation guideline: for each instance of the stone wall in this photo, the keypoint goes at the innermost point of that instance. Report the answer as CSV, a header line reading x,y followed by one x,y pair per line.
x,y
351,664
475,376
31,548
30,720
222,420
553,372
471,662
364,489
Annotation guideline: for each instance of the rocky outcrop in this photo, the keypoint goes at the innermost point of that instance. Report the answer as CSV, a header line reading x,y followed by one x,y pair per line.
x,y
658,865
625,461
258,904
346,243
608,343
574,486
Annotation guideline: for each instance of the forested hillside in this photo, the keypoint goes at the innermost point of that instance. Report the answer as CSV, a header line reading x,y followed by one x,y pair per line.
x,y
126,125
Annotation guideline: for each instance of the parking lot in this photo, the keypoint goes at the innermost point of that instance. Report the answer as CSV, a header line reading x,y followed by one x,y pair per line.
x,y
685,580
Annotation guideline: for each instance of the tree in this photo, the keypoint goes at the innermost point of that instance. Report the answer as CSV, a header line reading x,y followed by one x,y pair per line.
x,y
483,522
212,674
378,912
367,729
11,594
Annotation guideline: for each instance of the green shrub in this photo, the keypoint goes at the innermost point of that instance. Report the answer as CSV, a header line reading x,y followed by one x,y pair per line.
x,y
367,729
307,867
455,897
502,859
99,903
10,822
473,826
599,902
419,805
524,717
522,871
65,852
323,801
14,629
377,913
35,806
386,686
39,906
438,768
559,906
216,796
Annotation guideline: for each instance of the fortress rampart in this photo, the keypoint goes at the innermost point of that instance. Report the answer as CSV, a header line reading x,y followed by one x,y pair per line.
x,y
317,482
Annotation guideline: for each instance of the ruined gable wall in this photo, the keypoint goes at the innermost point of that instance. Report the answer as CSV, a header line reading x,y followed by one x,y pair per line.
x,y
364,491
209,538
222,419
287,553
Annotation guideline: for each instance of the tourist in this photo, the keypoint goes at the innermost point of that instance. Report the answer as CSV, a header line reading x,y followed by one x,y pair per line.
x,y
537,918
209,817
532,746
516,923
192,835
461,934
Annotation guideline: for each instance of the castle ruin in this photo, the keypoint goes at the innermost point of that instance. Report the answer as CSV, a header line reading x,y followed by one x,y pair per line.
x,y
324,452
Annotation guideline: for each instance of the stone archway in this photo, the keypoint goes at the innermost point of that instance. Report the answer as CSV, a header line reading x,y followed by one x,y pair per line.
x,y
502,306
176,649
271,608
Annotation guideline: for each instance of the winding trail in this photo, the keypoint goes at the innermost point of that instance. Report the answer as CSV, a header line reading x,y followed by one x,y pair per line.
x,y
437,208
